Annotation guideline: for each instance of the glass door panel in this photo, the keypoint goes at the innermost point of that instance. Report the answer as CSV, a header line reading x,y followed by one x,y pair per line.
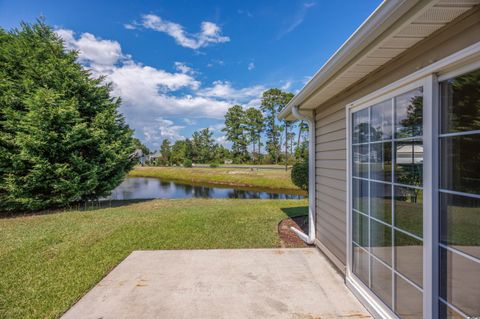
x,y
387,197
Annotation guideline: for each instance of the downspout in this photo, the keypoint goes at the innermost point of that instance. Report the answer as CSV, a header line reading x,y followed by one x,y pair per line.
x,y
310,238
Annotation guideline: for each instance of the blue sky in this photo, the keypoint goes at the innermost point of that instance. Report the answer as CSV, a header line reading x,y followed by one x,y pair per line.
x,y
178,65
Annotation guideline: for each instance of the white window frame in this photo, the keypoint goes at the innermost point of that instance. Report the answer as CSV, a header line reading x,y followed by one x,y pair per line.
x,y
429,77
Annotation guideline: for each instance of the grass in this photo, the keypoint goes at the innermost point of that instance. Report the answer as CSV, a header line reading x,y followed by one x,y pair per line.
x,y
273,179
47,262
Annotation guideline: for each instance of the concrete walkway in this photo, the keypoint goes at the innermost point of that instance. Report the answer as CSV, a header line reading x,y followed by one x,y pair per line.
x,y
237,283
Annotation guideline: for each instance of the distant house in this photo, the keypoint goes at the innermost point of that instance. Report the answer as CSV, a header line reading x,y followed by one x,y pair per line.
x,y
154,157
394,192
138,153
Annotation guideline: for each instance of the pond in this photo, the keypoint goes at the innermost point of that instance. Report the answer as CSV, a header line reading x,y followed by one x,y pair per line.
x,y
149,187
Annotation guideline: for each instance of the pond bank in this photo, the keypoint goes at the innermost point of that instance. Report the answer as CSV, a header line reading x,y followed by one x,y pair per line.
x,y
272,179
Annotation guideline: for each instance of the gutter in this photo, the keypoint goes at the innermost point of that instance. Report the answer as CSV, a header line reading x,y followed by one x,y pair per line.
x,y
310,237
386,14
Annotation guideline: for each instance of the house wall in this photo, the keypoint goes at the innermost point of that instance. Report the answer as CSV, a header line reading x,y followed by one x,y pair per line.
x,y
331,165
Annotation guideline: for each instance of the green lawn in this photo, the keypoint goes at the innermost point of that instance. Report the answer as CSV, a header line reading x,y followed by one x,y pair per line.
x,y
273,179
47,262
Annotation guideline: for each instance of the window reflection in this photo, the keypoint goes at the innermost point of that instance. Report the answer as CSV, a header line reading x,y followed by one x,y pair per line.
x,y
409,114
360,229
409,163
388,157
460,98
381,201
460,213
381,118
447,312
409,257
360,195
460,282
382,282
460,163
381,237
409,210
408,299
360,126
360,160
360,264
381,161
460,223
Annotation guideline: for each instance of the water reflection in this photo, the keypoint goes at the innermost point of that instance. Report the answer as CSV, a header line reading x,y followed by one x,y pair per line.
x,y
147,187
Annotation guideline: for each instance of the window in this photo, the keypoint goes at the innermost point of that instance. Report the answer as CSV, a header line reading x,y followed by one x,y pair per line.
x,y
387,212
391,247
413,186
459,196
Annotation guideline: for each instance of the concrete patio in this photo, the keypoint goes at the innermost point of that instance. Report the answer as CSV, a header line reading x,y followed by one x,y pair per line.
x,y
239,283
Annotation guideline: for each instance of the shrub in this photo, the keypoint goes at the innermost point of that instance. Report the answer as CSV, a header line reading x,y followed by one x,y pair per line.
x,y
187,163
62,139
300,174
214,165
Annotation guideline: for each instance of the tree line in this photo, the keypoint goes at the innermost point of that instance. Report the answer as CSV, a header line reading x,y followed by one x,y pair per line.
x,y
256,136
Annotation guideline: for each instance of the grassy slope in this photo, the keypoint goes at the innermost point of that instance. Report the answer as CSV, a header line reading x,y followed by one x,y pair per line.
x,y
265,178
47,262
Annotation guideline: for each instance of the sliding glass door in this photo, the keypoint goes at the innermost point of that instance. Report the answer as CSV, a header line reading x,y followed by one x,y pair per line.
x,y
389,254
387,197
459,196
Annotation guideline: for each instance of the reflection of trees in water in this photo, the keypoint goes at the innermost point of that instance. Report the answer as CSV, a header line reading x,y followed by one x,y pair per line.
x,y
203,192
236,193
134,188
165,186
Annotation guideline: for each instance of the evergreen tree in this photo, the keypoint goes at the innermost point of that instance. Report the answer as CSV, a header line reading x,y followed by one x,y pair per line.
x,y
179,152
62,139
254,126
236,132
166,151
273,101
203,146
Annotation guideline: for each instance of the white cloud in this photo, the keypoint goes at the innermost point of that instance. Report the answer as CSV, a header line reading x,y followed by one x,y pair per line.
x,y
251,66
209,31
287,85
214,62
162,129
189,121
297,18
136,82
184,68
149,94
129,26
224,90
100,55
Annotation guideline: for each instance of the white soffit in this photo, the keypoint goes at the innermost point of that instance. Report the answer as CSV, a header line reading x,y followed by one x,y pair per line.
x,y
427,20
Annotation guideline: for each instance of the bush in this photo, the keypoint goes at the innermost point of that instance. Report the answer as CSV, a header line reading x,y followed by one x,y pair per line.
x,y
187,163
62,139
300,174
214,165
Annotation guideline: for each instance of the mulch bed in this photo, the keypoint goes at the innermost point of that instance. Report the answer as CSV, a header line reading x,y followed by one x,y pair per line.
x,y
288,239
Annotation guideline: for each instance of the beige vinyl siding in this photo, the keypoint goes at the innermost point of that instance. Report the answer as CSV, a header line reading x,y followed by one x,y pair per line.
x,y
331,227
331,181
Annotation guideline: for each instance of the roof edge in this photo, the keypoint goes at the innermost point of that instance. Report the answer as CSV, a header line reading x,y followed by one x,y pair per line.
x,y
377,23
